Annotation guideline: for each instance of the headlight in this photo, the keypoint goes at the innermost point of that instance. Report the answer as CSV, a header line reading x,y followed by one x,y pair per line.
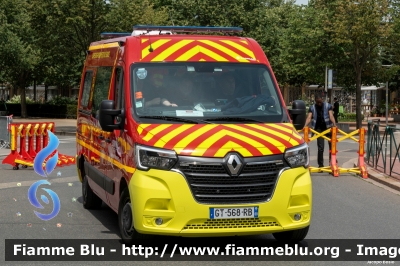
x,y
147,157
298,156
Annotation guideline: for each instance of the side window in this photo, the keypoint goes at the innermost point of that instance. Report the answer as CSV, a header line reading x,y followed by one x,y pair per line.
x,y
266,83
119,87
268,88
101,87
86,89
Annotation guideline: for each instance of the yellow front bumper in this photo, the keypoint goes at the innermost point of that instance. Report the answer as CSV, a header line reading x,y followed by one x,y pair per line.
x,y
166,194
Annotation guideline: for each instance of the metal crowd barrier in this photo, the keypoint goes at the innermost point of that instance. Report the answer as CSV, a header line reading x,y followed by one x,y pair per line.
x,y
383,151
5,137
28,139
334,169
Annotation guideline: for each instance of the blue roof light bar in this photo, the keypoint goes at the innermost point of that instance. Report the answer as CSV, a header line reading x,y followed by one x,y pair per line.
x,y
187,28
110,35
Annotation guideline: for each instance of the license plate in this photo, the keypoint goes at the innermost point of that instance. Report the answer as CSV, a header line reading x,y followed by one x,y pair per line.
x,y
230,213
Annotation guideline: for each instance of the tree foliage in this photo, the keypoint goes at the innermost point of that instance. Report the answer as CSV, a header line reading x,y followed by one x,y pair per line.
x,y
124,14
361,30
18,51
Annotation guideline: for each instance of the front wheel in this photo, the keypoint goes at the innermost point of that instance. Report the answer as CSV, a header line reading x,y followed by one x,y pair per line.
x,y
125,220
292,236
90,200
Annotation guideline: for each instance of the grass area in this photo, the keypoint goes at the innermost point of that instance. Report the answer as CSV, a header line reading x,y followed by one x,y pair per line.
x,y
341,119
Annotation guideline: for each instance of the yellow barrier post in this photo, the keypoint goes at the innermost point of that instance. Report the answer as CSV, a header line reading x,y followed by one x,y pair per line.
x,y
333,151
334,168
306,135
361,165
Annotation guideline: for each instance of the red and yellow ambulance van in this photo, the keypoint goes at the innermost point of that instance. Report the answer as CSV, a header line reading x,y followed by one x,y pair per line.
x,y
188,135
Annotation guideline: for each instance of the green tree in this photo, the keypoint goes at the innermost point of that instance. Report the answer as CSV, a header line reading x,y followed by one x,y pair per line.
x,y
64,30
18,52
361,30
124,14
300,37
215,13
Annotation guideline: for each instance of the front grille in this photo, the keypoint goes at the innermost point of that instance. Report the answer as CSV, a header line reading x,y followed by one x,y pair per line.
x,y
210,181
230,223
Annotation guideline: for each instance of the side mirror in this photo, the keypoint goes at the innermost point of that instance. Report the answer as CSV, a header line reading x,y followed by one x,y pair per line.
x,y
298,114
107,115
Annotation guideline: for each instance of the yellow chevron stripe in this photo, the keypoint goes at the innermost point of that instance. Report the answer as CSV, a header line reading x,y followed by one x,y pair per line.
x,y
211,140
273,141
228,147
289,131
292,141
292,132
224,50
102,46
144,40
195,50
154,131
172,134
142,127
106,157
170,50
154,45
189,54
240,47
186,140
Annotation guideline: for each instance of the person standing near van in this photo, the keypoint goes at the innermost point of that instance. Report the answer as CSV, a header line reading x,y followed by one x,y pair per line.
x,y
321,117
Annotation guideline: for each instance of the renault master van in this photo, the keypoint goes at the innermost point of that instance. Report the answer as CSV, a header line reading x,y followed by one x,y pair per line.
x,y
187,134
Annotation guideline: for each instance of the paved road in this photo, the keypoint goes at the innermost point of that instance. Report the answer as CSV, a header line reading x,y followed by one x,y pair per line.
x,y
347,207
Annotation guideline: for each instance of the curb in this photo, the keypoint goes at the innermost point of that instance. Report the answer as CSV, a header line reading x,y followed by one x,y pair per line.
x,y
383,179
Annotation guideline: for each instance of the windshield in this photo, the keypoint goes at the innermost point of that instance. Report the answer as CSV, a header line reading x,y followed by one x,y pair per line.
x,y
205,93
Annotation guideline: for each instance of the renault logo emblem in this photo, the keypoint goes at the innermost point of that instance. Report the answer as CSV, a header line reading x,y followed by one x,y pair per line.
x,y
234,164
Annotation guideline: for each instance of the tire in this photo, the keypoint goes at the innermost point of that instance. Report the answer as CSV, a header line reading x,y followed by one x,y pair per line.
x,y
90,200
125,220
292,236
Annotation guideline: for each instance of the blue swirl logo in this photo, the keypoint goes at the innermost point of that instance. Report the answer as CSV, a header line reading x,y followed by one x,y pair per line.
x,y
51,163
34,201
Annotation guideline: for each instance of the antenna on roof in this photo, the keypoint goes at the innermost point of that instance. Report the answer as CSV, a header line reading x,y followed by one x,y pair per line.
x,y
150,48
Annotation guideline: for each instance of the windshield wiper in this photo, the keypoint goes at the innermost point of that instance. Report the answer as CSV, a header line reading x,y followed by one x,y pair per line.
x,y
174,118
229,118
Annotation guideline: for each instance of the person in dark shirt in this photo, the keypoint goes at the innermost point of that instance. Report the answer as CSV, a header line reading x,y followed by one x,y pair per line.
x,y
184,96
227,87
154,91
321,116
335,109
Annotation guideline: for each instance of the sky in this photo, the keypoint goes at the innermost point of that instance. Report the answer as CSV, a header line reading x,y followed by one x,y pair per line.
x,y
302,2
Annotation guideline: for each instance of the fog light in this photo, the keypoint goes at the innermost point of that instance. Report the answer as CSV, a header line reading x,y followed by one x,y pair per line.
x,y
159,221
297,217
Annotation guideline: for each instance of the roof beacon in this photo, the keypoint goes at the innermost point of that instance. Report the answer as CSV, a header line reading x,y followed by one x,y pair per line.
x,y
158,30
